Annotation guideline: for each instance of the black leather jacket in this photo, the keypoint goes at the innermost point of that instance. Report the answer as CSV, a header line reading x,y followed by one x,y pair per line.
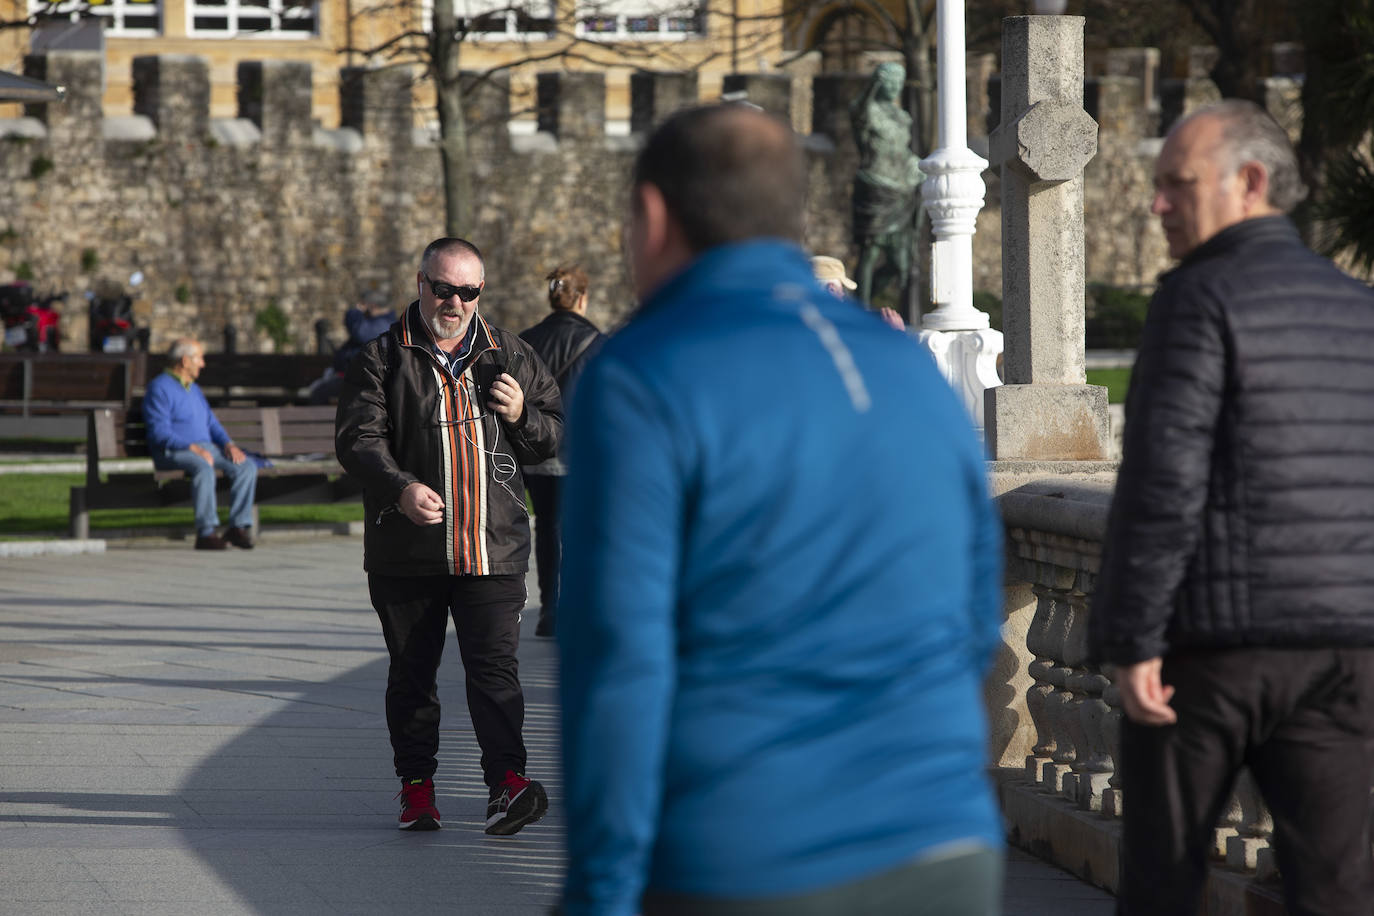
x,y
402,417
1244,507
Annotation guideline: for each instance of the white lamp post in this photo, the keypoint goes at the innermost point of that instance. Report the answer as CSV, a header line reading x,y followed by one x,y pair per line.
x,y
956,333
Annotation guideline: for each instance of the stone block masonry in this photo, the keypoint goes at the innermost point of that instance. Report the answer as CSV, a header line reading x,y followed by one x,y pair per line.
x,y
226,217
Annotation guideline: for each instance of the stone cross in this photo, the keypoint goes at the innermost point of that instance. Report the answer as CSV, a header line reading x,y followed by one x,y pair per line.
x,y
1045,411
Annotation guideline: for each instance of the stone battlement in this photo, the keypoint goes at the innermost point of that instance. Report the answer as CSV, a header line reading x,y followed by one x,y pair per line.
x,y
227,217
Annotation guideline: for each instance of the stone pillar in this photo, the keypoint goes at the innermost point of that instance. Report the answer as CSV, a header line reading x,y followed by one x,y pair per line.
x,y
486,110
1289,59
830,98
572,106
979,70
1045,411
376,102
74,123
1143,65
173,91
654,95
770,91
1201,60
1178,98
275,95
1283,100
802,70
1114,103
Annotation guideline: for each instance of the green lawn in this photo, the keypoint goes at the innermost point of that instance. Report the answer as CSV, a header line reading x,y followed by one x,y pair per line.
x,y
32,504
1116,381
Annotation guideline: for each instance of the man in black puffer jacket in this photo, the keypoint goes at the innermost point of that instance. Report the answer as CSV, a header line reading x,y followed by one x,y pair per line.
x,y
1236,593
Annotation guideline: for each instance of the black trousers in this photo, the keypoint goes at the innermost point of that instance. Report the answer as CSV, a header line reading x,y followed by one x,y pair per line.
x,y
548,539
486,615
1302,720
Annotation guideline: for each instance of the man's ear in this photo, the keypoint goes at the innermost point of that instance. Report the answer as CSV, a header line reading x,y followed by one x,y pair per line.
x,y
652,212
1254,179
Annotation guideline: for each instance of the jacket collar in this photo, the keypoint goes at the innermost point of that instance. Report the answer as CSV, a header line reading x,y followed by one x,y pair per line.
x,y
752,265
1245,232
414,333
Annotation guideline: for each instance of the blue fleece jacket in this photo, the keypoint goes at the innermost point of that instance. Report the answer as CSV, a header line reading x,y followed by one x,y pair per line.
x,y
178,415
781,590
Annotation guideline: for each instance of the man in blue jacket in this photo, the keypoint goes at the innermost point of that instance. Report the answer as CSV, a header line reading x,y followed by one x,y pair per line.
x,y
782,575
183,434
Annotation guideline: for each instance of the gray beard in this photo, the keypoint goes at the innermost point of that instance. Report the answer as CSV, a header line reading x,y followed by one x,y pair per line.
x,y
439,334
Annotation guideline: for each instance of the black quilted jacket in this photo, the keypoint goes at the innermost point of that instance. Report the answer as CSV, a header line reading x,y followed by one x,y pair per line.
x,y
1244,507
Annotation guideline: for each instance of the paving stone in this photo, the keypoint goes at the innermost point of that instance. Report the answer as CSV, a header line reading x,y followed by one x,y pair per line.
x,y
227,754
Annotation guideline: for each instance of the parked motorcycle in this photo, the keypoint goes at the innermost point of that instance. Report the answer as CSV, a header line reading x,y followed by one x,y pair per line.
x,y
32,323
112,328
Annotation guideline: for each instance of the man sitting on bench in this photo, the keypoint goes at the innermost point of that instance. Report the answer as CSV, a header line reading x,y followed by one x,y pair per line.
x,y
183,434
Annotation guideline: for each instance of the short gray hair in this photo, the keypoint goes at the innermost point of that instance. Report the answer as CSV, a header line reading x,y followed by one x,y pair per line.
x,y
1250,134
181,348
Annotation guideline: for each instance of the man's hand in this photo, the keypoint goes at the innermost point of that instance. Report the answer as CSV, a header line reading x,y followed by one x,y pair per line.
x,y
203,454
421,505
507,399
1144,695
236,454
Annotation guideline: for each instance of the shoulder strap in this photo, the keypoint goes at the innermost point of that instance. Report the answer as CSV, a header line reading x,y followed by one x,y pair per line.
x,y
572,360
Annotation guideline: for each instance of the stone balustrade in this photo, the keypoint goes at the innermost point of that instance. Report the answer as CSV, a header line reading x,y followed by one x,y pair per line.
x,y
1065,800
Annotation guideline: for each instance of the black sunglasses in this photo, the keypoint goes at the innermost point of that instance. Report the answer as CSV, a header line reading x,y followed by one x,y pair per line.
x,y
448,290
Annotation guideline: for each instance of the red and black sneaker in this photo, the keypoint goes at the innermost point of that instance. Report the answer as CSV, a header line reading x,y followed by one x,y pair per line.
x,y
513,803
417,805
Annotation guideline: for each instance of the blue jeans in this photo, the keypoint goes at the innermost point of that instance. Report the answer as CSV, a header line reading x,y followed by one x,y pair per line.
x,y
243,485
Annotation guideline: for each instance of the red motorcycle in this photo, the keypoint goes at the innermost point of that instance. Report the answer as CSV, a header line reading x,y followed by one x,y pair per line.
x,y
32,323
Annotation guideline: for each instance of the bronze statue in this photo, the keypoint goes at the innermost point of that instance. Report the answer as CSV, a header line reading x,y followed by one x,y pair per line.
x,y
887,187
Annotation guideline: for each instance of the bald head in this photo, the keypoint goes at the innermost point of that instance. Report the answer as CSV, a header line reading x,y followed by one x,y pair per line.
x,y
727,173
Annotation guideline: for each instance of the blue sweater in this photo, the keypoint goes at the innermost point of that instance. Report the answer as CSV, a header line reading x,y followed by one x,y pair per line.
x,y
781,590
178,415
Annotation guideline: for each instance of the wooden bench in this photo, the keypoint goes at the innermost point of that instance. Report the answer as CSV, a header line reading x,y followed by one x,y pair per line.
x,y
263,378
298,440
48,393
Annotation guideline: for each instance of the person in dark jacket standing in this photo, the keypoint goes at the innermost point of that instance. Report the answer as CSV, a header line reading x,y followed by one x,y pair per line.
x,y
435,417
1235,598
564,340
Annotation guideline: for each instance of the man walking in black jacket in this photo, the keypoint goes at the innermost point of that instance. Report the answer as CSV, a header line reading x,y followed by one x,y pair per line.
x,y
1236,594
435,417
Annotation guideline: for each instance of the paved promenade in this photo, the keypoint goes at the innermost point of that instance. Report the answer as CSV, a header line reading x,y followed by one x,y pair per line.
x,y
202,733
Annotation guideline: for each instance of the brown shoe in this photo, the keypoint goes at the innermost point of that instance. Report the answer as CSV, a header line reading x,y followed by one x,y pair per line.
x,y
239,537
210,542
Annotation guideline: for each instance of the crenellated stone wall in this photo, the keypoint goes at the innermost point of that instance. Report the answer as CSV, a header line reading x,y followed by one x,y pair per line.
x,y
228,216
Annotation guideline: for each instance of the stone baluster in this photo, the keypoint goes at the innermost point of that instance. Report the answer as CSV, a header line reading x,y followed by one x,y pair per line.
x,y
1228,826
1112,800
1249,848
1038,643
1057,705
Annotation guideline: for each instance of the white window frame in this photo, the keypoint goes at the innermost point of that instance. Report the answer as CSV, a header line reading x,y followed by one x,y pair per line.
x,y
113,12
623,14
511,33
234,11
